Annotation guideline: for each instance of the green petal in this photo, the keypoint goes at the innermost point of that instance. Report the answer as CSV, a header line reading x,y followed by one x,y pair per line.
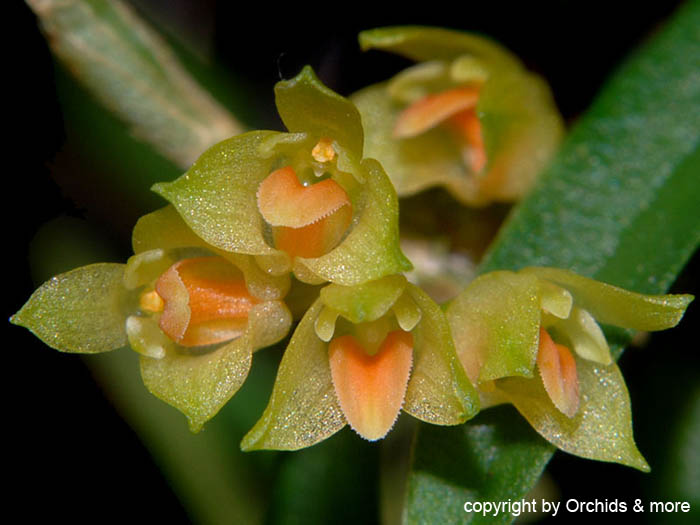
x,y
217,196
495,324
438,391
612,305
303,409
431,159
602,427
82,311
371,249
306,105
143,268
200,384
432,43
365,302
165,229
584,336
146,337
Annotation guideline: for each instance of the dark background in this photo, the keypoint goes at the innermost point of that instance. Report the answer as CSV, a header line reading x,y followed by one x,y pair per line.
x,y
70,454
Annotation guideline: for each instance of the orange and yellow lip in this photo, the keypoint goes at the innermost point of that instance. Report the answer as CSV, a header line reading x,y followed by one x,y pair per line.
x,y
307,221
454,108
371,388
204,301
558,371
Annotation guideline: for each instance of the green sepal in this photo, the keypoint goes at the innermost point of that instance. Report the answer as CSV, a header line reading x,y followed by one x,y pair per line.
x,y
303,408
217,196
438,391
82,311
495,324
371,249
521,127
365,302
433,43
165,229
306,105
616,306
602,426
198,383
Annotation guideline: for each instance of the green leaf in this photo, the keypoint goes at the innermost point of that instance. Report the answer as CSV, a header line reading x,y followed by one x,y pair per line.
x,y
131,70
619,204
328,482
79,311
307,106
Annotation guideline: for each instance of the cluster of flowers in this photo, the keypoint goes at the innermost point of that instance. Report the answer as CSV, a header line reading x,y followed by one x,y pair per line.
x,y
268,228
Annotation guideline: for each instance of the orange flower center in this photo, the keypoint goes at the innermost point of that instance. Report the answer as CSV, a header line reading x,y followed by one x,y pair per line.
x,y
306,221
455,108
371,388
204,301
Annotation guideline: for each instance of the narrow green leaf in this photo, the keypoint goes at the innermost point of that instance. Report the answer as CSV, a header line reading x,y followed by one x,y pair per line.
x,y
618,204
132,71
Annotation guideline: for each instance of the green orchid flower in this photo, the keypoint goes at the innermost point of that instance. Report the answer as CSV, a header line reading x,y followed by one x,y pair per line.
x,y
195,314
359,356
468,116
304,201
532,339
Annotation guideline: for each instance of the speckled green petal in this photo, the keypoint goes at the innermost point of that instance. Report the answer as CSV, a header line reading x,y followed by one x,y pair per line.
x,y
81,311
495,324
612,305
306,105
439,391
432,43
303,409
371,249
602,427
199,383
431,159
365,302
217,196
165,229
582,334
146,337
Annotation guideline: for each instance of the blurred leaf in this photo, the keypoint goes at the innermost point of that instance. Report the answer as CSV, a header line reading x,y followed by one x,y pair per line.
x,y
131,70
619,204
332,482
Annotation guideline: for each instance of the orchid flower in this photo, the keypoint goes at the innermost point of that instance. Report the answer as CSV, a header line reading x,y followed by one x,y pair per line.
x,y
193,313
304,201
532,339
359,356
467,116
